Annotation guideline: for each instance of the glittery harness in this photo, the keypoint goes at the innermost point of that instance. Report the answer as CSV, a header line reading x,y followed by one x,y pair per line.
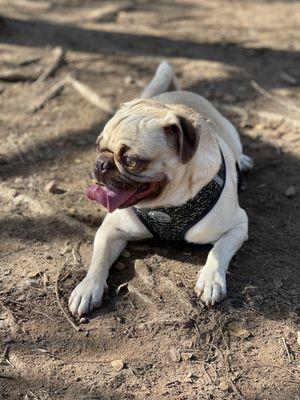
x,y
172,223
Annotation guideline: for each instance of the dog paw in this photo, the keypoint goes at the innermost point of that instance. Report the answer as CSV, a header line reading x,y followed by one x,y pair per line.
x,y
211,287
86,296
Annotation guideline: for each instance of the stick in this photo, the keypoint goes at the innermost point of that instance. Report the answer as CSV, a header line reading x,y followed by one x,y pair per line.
x,y
12,75
268,95
50,94
26,306
286,349
57,61
108,13
237,390
4,354
75,248
90,95
77,328
7,377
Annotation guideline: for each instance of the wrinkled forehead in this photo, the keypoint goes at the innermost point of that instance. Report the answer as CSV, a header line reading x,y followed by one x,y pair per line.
x,y
135,125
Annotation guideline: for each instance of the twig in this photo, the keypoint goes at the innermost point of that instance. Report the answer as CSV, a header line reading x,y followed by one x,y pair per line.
x,y
57,61
74,249
77,328
286,349
4,354
213,381
26,306
108,13
268,95
236,389
50,94
90,95
20,155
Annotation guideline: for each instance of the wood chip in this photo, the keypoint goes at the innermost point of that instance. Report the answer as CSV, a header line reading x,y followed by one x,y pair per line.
x,y
174,355
51,187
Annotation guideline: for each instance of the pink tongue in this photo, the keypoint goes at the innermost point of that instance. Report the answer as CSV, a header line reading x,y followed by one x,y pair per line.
x,y
110,199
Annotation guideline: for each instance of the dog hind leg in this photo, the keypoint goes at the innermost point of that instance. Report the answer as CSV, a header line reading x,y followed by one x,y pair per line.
x,y
164,80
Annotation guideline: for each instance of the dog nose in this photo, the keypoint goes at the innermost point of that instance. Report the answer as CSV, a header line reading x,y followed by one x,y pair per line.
x,y
102,166
105,165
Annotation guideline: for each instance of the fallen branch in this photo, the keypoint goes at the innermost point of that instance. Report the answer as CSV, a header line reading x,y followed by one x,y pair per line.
x,y
16,75
50,94
90,95
77,328
56,62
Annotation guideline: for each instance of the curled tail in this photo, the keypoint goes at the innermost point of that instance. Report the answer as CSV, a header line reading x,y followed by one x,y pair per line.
x,y
163,81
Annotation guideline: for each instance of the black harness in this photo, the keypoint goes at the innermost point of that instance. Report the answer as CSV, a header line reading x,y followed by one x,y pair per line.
x,y
172,223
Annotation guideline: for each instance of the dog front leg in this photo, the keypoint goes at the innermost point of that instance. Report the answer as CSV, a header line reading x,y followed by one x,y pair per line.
x,y
110,240
211,283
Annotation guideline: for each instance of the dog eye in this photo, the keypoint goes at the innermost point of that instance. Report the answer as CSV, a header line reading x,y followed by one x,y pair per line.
x,y
129,162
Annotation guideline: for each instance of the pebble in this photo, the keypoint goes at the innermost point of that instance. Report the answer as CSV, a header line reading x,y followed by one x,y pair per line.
x,y
291,191
186,356
129,80
118,365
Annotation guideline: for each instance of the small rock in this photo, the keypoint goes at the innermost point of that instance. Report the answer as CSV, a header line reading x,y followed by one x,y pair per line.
x,y
186,356
291,191
49,256
118,365
129,80
174,355
51,187
278,283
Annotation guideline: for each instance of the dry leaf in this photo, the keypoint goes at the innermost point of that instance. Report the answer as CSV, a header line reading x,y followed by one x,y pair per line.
x,y
238,331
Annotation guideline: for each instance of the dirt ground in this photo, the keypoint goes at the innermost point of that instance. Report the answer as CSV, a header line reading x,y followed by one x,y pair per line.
x,y
244,56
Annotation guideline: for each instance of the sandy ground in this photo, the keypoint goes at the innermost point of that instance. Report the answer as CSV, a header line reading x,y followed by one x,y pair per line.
x,y
168,346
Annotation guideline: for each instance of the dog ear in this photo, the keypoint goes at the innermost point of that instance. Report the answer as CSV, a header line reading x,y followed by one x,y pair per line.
x,y
187,136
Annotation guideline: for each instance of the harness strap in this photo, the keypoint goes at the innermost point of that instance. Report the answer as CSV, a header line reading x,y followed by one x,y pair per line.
x,y
172,223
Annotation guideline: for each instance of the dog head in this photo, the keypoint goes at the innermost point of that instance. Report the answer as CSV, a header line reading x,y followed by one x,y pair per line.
x,y
143,149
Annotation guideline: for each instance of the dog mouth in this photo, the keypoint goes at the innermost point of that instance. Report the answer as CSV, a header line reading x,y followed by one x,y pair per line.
x,y
112,198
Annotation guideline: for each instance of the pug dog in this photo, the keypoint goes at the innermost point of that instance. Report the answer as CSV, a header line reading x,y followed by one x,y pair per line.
x,y
167,167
